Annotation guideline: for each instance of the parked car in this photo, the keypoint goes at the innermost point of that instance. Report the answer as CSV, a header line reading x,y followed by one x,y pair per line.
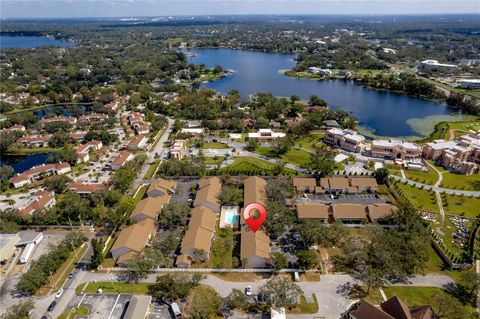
x,y
71,275
248,290
59,293
52,305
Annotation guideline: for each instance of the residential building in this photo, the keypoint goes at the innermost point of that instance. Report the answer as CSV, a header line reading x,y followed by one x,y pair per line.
x,y
304,184
178,149
77,136
39,200
346,139
7,245
38,172
469,83
254,190
331,124
378,213
149,207
393,308
122,159
334,185
131,241
254,248
161,187
197,241
83,150
138,142
460,156
35,140
364,184
313,210
66,119
208,193
349,213
14,128
395,149
193,128
93,118
86,188
265,135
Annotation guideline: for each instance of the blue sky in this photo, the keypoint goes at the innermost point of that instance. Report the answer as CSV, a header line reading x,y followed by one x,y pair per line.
x,y
132,8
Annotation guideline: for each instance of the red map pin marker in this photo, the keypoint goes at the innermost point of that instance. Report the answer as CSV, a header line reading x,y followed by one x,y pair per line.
x,y
250,212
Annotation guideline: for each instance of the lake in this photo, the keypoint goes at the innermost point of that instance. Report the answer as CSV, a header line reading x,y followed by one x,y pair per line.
x,y
382,113
21,163
28,42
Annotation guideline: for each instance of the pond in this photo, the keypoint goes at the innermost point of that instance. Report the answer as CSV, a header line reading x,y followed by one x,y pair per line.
x,y
21,163
28,42
382,113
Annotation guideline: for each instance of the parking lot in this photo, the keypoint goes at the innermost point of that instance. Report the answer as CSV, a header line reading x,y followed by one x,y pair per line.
x,y
364,199
183,190
104,306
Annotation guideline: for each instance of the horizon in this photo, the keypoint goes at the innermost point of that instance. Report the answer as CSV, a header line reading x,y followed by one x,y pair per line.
x,y
54,9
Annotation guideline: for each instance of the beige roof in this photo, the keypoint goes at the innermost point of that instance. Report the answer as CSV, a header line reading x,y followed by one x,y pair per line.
x,y
126,257
338,182
304,182
208,191
198,238
312,210
380,210
150,206
163,185
254,244
135,236
183,259
364,181
203,217
348,211
254,190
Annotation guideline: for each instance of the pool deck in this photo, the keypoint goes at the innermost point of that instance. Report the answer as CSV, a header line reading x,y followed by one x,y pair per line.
x,y
223,212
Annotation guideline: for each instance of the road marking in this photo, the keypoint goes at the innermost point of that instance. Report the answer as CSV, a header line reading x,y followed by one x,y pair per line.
x,y
83,297
113,308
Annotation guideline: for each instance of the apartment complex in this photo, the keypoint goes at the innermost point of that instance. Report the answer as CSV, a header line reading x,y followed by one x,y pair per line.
x,y
459,156
208,192
83,150
35,140
39,200
395,149
38,172
178,149
348,140
122,159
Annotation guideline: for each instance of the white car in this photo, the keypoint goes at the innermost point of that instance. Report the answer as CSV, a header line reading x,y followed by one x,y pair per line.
x,y
59,293
248,291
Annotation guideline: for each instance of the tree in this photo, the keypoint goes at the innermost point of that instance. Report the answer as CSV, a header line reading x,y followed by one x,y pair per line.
x,y
237,299
97,253
57,183
172,286
316,101
230,195
251,146
278,167
5,172
381,175
205,303
279,190
281,292
282,145
306,259
173,214
322,161
448,307
278,261
20,310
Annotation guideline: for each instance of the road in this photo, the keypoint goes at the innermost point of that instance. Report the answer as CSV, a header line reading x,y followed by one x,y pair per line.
x,y
436,188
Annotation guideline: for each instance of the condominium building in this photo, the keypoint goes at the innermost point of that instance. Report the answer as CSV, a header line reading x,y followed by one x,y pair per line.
x,y
346,139
38,172
395,149
178,149
35,140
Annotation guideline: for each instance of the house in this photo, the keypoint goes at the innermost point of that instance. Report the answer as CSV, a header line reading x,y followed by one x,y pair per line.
x,y
122,159
395,149
14,128
35,140
335,185
56,119
131,241
86,188
38,172
364,184
314,211
345,139
93,118
208,192
138,142
77,136
304,184
39,200
193,131
183,261
265,135
349,213
254,248
197,241
378,213
254,190
83,150
161,187
178,149
149,207
393,308
331,124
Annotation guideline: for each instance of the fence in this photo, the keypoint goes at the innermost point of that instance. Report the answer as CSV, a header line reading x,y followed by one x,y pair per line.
x,y
212,270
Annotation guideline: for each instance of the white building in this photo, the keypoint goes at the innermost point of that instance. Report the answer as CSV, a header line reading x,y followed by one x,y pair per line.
x,y
265,134
348,140
434,64
469,83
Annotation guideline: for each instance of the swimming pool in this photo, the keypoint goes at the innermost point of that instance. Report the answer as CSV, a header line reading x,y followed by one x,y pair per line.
x,y
229,217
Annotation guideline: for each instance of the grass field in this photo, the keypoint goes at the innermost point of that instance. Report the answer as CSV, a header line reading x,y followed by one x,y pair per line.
x,y
151,169
115,288
222,249
251,166
309,142
304,307
420,198
294,156
461,205
429,177
459,181
214,145
213,160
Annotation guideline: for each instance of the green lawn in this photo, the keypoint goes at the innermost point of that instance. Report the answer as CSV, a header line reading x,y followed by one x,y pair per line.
x,y
251,166
213,160
304,307
151,169
73,313
141,193
309,142
420,198
214,145
461,205
294,156
459,181
222,249
116,288
430,177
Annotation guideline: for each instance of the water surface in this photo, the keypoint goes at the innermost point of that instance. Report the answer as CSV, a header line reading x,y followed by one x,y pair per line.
x,y
21,163
28,42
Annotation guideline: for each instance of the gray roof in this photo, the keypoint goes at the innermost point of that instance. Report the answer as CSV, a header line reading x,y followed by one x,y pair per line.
x,y
138,307
6,238
27,237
